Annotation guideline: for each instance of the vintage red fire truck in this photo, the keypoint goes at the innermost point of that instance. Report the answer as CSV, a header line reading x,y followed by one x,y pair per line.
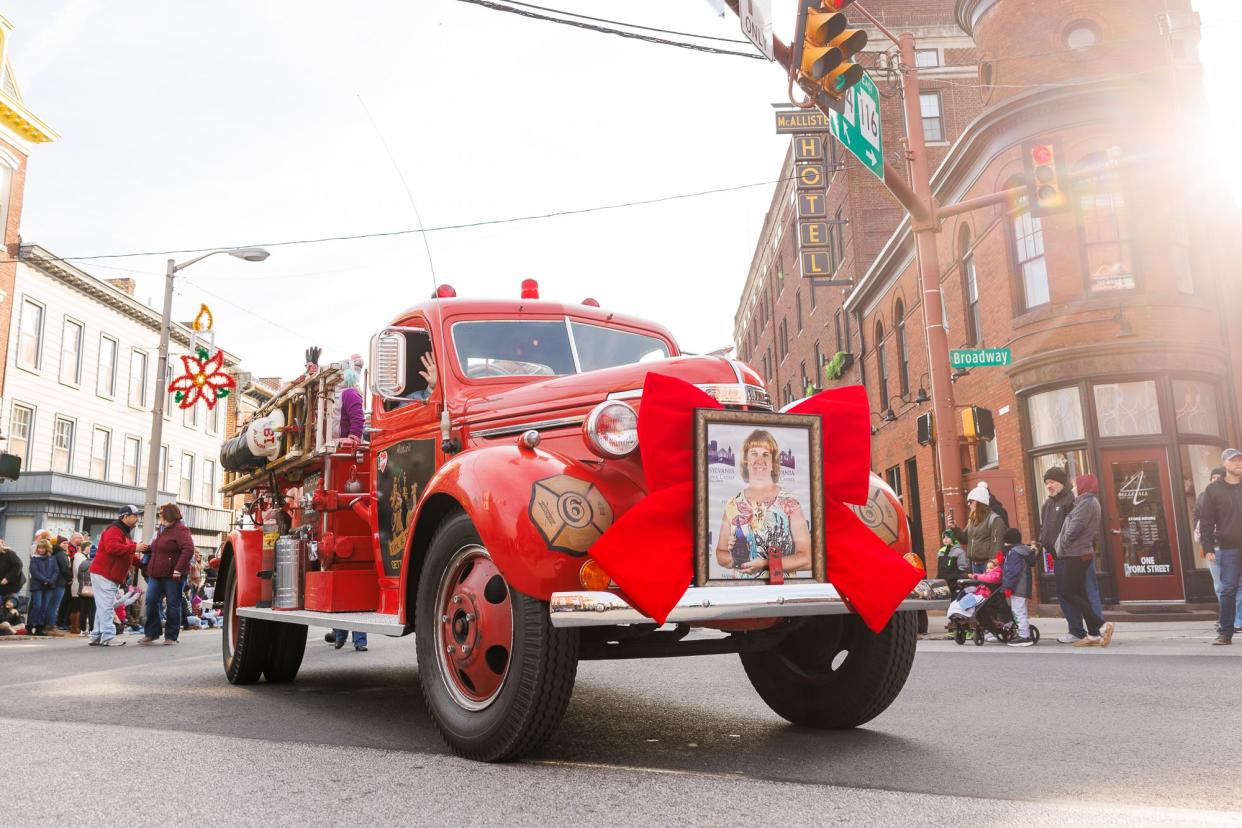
x,y
466,515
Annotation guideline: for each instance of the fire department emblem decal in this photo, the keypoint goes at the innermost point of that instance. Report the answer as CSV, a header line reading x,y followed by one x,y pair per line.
x,y
382,461
569,513
880,515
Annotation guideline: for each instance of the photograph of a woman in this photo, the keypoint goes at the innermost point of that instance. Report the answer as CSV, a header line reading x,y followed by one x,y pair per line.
x,y
764,522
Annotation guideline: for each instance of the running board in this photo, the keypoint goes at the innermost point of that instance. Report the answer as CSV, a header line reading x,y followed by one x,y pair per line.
x,y
368,622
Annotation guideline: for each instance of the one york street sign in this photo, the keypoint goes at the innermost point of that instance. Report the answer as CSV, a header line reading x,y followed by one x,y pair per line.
x,y
979,357
857,127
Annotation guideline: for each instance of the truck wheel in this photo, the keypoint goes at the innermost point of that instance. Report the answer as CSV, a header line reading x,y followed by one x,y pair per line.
x,y
496,675
245,641
285,655
833,672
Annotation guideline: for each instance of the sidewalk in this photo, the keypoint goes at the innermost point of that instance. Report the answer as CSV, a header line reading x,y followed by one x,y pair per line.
x,y
1192,638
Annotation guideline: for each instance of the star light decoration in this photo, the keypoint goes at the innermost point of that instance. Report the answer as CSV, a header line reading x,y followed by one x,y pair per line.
x,y
204,377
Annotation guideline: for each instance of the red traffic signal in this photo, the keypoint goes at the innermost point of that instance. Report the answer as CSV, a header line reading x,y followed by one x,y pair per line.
x,y
1045,177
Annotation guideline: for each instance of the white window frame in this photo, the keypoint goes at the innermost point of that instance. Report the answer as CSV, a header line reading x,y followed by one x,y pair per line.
x,y
131,440
209,481
164,459
107,457
189,417
76,382
146,367
73,438
116,354
938,117
27,303
185,486
30,427
213,418
936,60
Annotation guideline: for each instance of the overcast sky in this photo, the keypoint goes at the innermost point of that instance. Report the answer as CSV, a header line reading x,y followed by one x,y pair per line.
x,y
189,125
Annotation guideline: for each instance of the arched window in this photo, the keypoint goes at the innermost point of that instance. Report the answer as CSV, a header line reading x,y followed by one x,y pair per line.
x,y
881,368
903,356
970,288
1031,269
1103,226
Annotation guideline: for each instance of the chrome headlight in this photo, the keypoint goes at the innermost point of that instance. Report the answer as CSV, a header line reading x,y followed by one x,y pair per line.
x,y
611,429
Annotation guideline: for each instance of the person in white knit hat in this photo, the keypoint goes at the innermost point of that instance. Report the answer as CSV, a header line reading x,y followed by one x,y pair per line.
x,y
985,530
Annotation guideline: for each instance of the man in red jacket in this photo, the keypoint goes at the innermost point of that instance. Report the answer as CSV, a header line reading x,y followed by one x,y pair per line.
x,y
115,554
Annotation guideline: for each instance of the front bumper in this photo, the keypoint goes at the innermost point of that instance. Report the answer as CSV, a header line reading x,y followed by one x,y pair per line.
x,y
702,605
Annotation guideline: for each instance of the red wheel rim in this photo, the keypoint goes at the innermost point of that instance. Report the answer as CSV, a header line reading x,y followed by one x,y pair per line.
x,y
474,628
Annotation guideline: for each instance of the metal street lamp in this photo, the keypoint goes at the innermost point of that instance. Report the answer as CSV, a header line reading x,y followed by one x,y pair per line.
x,y
249,254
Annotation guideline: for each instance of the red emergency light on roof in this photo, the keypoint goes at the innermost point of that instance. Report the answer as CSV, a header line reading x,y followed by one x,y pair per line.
x,y
445,292
590,303
530,289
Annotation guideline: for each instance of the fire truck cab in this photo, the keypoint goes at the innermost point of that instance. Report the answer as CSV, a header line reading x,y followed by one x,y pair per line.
x,y
467,512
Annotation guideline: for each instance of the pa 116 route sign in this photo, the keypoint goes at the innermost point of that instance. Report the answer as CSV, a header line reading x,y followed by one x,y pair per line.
x,y
857,127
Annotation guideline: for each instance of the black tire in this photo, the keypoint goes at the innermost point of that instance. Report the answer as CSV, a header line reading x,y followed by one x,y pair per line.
x,y
797,680
245,642
284,657
538,670
1034,634
980,636
959,635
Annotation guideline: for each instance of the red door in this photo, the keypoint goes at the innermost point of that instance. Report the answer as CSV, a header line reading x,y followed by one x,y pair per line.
x,y
1138,526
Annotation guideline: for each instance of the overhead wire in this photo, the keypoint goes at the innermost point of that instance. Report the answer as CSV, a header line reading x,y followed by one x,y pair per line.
x,y
627,25
488,4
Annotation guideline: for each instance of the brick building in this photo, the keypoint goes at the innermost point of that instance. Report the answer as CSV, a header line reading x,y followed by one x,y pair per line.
x,y
790,328
20,132
1113,309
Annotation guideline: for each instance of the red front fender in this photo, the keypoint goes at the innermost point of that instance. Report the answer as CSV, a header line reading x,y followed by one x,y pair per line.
x,y
537,511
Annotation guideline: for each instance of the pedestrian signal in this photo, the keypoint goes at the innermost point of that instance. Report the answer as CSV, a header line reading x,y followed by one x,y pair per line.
x,y
1045,177
977,424
824,49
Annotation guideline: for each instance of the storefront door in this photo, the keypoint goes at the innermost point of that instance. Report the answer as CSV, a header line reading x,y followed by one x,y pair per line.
x,y
1138,524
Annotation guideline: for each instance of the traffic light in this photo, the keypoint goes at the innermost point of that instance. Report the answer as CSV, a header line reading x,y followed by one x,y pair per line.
x,y
823,48
977,424
1045,177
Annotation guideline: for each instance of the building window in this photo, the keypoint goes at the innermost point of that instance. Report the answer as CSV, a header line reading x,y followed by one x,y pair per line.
x,y
926,58
784,338
1197,464
6,188
137,378
1055,417
1183,260
1194,406
213,416
881,368
1126,409
819,365
105,378
164,468
836,323
1081,35
1028,244
986,455
838,247
170,397
189,416
903,356
187,477
30,336
788,396
806,383
798,307
62,445
892,476
101,447
209,482
21,422
1103,227
970,288
130,461
71,353
933,122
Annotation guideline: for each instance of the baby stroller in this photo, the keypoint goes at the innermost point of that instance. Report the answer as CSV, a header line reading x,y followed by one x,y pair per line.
x,y
991,614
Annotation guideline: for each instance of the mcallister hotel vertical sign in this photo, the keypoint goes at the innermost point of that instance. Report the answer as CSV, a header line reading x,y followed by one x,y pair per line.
x,y
811,172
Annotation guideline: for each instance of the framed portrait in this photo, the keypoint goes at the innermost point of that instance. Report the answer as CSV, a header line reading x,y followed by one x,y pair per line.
x,y
758,498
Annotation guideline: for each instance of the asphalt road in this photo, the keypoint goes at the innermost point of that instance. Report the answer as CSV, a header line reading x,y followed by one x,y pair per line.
x,y
1049,735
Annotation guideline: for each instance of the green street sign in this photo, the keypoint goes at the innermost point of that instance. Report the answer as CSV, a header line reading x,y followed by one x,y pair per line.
x,y
980,357
857,126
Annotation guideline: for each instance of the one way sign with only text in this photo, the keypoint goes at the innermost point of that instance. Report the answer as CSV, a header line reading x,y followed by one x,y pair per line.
x,y
857,127
756,17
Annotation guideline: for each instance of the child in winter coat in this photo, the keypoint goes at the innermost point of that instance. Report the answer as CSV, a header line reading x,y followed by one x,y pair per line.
x,y
1019,560
951,561
10,618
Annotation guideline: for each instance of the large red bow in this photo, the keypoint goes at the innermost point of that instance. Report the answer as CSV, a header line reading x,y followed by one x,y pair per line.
x,y
649,551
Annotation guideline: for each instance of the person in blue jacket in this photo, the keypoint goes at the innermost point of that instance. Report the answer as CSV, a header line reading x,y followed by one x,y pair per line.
x,y
1019,560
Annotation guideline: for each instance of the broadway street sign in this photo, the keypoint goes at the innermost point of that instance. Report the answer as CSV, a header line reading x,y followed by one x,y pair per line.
x,y
980,357
857,127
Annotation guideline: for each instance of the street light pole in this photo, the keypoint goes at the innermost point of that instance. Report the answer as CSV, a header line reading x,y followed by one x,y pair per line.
x,y
249,254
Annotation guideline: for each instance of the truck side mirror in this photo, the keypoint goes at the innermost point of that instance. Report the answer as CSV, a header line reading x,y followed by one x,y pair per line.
x,y
388,349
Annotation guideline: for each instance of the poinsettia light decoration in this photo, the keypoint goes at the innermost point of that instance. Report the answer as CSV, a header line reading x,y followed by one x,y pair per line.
x,y
204,377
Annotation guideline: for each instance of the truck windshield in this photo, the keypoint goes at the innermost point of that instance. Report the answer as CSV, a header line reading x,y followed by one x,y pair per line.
x,y
542,347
